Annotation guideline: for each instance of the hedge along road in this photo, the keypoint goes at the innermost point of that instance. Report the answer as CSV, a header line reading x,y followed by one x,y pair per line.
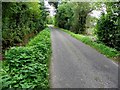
x,y
76,65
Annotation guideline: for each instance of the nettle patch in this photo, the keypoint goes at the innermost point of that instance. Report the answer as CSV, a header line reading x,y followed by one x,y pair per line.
x,y
27,67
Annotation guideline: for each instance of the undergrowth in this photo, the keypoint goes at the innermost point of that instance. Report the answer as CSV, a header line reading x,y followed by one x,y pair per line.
x,y
27,67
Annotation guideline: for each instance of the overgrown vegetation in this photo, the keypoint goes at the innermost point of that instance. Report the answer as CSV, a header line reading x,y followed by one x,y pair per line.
x,y
109,52
73,16
27,67
108,30
50,20
21,20
63,16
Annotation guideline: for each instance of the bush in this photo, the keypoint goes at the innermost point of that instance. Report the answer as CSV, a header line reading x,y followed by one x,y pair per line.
x,y
20,19
27,67
108,31
63,16
50,20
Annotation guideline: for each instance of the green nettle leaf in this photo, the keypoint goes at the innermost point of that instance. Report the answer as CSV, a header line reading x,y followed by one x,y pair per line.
x,y
25,85
26,67
17,85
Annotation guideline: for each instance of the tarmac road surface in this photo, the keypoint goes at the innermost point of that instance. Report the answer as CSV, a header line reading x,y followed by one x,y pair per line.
x,y
77,65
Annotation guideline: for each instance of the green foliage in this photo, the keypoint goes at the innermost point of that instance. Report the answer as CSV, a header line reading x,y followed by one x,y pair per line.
x,y
27,67
108,30
63,16
73,16
81,10
20,19
109,52
50,20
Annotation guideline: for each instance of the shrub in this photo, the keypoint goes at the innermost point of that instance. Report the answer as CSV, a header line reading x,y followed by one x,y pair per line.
x,y
27,67
108,31
20,19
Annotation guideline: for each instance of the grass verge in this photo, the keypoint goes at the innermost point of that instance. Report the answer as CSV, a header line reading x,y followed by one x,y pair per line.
x,y
28,67
107,51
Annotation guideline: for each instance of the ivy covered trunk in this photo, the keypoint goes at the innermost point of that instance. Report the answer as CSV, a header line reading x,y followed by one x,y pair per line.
x,y
82,23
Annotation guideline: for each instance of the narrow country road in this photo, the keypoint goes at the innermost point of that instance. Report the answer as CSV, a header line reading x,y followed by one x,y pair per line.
x,y
76,65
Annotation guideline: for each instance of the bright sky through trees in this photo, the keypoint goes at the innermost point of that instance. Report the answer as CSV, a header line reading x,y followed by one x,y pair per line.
x,y
50,8
94,13
97,13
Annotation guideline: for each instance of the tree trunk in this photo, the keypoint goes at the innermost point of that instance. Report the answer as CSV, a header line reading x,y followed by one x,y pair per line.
x,y
82,23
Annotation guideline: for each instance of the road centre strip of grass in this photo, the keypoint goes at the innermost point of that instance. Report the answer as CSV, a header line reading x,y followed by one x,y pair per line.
x,y
27,67
107,51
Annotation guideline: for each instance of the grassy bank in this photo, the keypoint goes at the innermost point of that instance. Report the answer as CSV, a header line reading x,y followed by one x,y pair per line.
x,y
107,51
28,67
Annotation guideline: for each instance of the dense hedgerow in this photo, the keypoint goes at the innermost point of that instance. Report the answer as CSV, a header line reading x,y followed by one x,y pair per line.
x,y
108,26
27,67
20,20
108,30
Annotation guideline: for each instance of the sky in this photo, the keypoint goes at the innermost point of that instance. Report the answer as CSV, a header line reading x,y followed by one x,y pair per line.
x,y
51,8
97,13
